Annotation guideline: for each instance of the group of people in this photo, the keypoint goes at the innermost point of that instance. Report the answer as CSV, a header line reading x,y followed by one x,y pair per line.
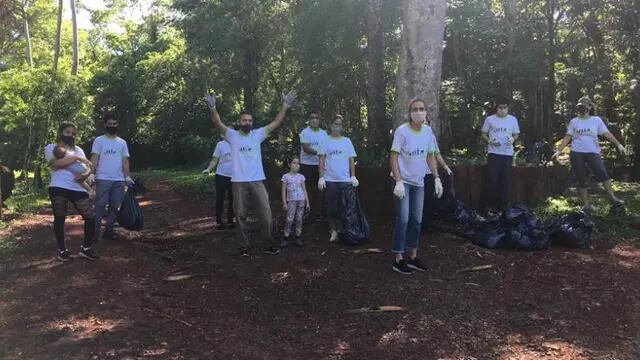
x,y
326,161
94,186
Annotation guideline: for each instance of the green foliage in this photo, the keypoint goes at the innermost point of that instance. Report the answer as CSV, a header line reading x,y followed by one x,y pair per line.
x,y
24,201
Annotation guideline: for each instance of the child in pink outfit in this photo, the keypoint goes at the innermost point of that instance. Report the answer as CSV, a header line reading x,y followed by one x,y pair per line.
x,y
294,201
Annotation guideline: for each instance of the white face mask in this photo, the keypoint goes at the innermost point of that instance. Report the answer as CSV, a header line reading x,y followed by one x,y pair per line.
x,y
419,117
335,130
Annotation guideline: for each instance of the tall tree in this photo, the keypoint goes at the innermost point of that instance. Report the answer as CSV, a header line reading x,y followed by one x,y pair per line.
x,y
56,55
74,23
376,102
27,35
420,69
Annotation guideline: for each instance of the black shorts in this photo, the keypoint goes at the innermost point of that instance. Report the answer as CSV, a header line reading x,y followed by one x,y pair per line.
x,y
310,173
60,199
593,161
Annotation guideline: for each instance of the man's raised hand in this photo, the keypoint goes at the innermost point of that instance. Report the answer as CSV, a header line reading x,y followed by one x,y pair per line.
x,y
211,101
289,99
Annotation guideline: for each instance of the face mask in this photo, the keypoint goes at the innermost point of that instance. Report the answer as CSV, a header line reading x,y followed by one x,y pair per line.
x,y
583,111
295,168
335,130
69,140
112,130
503,112
419,117
246,128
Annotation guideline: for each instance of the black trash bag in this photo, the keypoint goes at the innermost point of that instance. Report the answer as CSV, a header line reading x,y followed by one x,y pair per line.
x,y
130,215
355,228
488,230
571,230
445,207
525,230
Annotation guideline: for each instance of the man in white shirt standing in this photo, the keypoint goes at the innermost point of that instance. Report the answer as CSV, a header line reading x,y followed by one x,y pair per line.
x,y
500,131
310,139
110,159
247,175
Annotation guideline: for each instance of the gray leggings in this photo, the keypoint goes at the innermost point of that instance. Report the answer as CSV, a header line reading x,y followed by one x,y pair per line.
x,y
581,161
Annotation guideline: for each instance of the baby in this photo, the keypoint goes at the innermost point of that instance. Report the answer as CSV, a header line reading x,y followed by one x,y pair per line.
x,y
78,168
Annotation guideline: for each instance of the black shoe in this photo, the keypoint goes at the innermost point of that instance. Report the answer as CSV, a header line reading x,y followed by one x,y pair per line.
x,y
402,268
221,226
272,250
244,252
299,242
64,255
284,243
88,253
416,264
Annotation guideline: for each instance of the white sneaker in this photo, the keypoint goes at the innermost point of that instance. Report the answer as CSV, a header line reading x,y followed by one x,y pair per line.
x,y
334,236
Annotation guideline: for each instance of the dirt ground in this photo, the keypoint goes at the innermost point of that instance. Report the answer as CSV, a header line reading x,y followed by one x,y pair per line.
x,y
554,304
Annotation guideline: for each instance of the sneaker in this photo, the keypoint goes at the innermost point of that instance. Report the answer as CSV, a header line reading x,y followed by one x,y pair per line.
x,y
299,242
402,268
244,252
64,255
221,226
416,264
334,236
88,253
272,250
284,243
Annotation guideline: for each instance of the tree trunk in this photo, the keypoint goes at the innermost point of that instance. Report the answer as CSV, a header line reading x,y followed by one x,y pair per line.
x,y
550,89
27,36
510,15
420,69
376,102
635,99
250,75
56,55
74,22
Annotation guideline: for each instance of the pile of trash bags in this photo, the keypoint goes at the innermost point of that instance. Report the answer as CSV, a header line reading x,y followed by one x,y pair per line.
x,y
516,228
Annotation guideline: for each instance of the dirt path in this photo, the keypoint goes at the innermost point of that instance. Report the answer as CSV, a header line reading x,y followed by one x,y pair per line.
x,y
556,304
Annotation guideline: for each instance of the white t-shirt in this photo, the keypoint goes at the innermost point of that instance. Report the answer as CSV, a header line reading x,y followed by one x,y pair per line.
x,y
111,153
223,153
501,129
337,152
246,154
314,138
63,178
413,148
584,134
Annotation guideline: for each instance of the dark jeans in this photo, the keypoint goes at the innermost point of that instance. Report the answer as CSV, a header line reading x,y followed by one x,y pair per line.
x,y
311,175
60,199
428,209
223,187
581,161
499,173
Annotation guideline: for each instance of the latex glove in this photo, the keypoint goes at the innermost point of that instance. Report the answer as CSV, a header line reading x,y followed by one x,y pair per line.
x,y
289,99
129,181
438,189
354,181
622,149
211,101
398,190
322,184
448,170
206,171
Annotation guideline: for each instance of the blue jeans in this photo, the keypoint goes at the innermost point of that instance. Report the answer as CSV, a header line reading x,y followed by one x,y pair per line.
x,y
109,193
406,232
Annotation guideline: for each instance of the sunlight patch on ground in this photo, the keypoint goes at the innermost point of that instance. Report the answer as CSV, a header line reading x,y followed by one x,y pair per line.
x,y
341,348
557,350
394,337
82,328
314,274
280,278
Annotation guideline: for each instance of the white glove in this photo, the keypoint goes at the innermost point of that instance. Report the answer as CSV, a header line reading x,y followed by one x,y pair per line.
x,y
622,149
398,191
448,170
211,101
129,181
322,184
354,181
289,99
206,171
438,190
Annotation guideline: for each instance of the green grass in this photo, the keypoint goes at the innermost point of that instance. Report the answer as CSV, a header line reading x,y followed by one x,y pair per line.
x,y
184,180
25,201
609,226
